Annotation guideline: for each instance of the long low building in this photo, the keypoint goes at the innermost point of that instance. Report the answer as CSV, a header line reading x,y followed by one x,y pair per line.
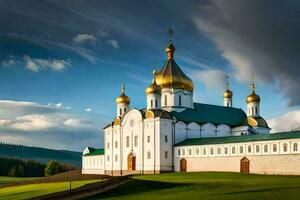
x,y
262,154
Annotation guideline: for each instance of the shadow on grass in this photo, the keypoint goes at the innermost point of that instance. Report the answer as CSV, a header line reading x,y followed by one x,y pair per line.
x,y
138,186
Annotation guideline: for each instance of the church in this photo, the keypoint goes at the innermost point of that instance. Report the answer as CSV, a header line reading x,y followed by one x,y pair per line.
x,y
174,133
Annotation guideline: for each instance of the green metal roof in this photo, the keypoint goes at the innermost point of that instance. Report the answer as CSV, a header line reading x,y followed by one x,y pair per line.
x,y
95,152
203,113
238,139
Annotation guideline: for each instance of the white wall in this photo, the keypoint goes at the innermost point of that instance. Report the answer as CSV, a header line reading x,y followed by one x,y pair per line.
x,y
264,161
93,164
193,130
180,131
173,99
208,130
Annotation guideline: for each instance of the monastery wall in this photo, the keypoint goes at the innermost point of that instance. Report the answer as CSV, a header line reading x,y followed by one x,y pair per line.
x,y
265,157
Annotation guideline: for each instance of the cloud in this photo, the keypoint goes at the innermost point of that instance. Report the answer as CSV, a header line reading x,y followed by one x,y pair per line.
x,y
113,43
37,64
9,61
88,109
285,122
255,41
213,79
31,123
83,39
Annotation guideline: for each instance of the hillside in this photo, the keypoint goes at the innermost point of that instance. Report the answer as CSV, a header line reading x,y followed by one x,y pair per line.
x,y
40,154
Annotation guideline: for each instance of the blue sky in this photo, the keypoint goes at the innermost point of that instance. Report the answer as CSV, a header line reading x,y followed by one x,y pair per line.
x,y
70,57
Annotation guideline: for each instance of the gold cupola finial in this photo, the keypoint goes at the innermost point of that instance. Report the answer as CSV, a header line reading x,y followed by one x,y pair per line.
x,y
227,93
253,97
153,88
123,98
170,48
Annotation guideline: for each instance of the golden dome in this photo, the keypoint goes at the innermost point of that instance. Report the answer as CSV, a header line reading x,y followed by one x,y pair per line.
x,y
171,76
227,94
257,121
123,98
253,97
153,88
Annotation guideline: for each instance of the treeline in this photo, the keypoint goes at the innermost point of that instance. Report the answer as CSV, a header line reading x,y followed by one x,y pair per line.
x,y
21,168
28,168
39,154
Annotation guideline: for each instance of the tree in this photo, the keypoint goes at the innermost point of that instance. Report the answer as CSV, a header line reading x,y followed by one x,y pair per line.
x,y
12,172
52,168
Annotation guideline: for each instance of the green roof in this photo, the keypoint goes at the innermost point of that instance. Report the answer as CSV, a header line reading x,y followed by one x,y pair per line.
x,y
238,139
95,152
203,113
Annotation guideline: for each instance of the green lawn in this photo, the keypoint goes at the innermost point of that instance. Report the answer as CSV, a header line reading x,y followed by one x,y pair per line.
x,y
34,190
208,186
6,179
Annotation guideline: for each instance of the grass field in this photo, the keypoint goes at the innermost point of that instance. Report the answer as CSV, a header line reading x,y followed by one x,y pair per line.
x,y
208,186
5,179
34,190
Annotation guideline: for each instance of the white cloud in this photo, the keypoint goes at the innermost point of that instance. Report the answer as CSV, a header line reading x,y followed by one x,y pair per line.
x,y
113,43
37,64
31,123
213,79
285,122
9,61
82,39
58,105
88,109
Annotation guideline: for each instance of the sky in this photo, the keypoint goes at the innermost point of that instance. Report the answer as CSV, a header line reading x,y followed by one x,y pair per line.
x,y
62,62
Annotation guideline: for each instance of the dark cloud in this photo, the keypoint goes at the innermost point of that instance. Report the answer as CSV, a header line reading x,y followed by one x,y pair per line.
x,y
259,37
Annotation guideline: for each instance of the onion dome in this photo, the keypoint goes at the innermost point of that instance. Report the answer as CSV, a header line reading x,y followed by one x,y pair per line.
x,y
153,88
171,76
123,98
227,94
253,97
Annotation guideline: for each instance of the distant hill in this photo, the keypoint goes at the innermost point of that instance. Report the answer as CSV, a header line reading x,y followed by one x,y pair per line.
x,y
42,155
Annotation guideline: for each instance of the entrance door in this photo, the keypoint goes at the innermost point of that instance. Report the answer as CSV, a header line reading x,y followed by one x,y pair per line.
x,y
131,162
245,165
183,164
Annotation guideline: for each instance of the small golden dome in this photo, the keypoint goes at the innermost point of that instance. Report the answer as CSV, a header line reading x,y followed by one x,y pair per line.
x,y
253,98
227,94
153,88
123,98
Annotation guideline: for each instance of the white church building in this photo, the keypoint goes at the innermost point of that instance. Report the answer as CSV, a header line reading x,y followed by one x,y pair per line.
x,y
174,133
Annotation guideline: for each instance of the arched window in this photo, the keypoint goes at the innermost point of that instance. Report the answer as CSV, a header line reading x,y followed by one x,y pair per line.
x,y
155,103
241,149
266,148
227,104
226,150
255,110
219,151
274,147
166,100
252,111
120,111
124,110
249,149
233,150
135,141
257,148
151,103
116,158
211,151
285,147
204,151
295,147
179,100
